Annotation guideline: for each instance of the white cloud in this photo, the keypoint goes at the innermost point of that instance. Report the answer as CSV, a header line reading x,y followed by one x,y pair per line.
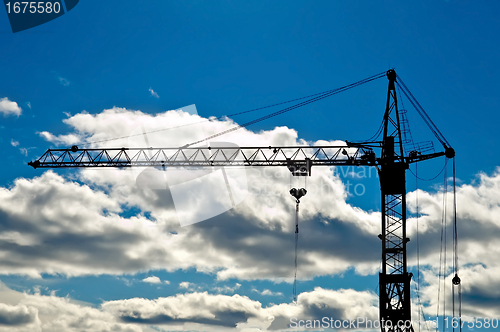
x,y
236,244
478,232
69,139
267,292
17,315
237,313
24,151
185,284
28,104
153,93
24,312
226,289
152,280
63,81
245,233
193,311
58,211
62,315
8,107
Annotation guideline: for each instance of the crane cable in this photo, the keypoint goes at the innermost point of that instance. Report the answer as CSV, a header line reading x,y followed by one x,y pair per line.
x,y
309,101
214,118
435,130
442,258
317,96
375,136
433,178
297,194
419,303
296,246
456,279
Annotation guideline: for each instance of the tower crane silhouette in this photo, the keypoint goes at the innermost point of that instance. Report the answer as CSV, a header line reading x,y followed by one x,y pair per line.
x,y
391,163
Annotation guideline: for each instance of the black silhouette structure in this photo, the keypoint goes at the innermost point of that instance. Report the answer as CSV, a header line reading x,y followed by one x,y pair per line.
x,y
391,162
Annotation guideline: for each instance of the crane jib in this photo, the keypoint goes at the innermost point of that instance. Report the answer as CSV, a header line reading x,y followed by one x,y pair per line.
x,y
298,159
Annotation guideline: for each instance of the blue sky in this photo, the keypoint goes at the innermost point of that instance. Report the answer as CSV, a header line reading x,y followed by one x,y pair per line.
x,y
90,72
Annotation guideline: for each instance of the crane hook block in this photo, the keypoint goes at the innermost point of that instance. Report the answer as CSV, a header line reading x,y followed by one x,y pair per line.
x,y
298,193
456,280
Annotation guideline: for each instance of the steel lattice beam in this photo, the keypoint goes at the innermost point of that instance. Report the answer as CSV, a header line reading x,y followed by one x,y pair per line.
x,y
341,155
394,280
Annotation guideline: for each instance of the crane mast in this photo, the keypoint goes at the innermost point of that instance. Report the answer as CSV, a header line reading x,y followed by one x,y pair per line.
x,y
394,279
391,163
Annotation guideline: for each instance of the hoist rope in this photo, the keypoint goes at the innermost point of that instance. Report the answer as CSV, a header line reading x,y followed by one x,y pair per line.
x,y
419,304
455,255
319,97
442,253
460,305
443,259
297,194
296,246
455,232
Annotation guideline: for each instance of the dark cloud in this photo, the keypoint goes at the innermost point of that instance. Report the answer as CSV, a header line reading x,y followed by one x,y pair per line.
x,y
16,315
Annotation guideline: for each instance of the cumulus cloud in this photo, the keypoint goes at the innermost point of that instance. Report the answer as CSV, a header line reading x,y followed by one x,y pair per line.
x,y
334,235
226,289
240,239
62,220
61,139
153,93
185,284
33,312
152,280
58,314
267,292
193,307
199,311
14,142
17,315
478,233
240,312
8,107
